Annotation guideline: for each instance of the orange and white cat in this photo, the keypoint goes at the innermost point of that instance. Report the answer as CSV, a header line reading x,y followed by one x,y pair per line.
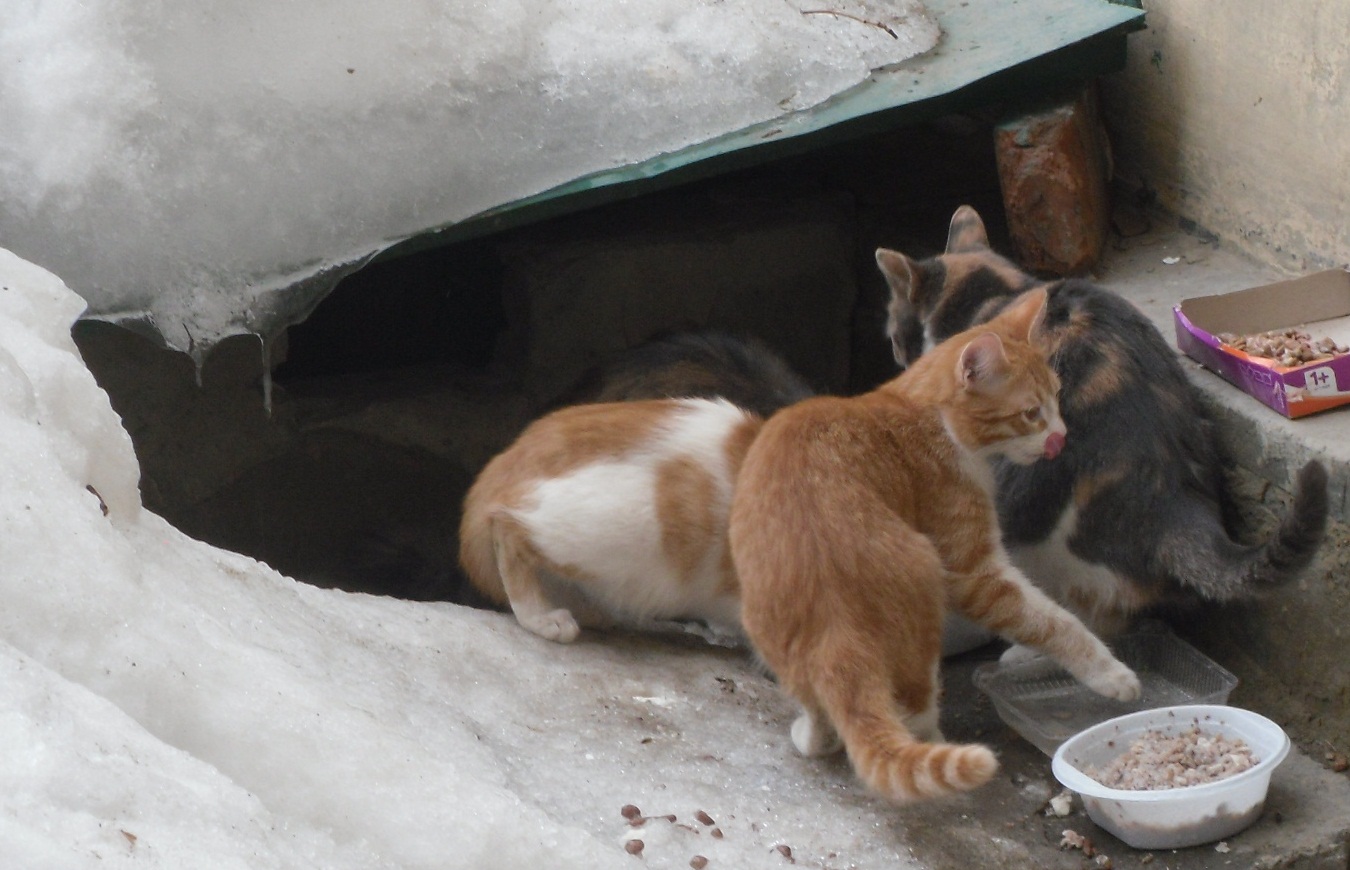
x,y
857,523
609,513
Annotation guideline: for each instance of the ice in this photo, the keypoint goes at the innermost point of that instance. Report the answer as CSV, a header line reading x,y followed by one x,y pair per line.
x,y
214,167
164,704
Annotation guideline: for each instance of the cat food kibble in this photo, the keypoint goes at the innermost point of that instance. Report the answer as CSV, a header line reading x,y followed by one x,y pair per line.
x,y
1071,839
1288,347
1156,760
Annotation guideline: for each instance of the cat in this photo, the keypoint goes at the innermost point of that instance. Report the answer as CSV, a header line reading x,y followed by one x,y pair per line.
x,y
706,364
611,513
856,523
741,369
1134,519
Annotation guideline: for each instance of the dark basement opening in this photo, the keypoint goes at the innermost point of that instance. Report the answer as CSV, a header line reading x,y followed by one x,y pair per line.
x,y
416,370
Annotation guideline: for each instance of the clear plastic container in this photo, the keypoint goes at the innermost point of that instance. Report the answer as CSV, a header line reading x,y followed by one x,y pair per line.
x,y
1044,704
1177,817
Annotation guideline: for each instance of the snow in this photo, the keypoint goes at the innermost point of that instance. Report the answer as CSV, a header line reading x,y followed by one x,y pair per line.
x,y
165,704
212,167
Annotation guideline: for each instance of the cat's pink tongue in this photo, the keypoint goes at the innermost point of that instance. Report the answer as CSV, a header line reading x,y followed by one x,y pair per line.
x,y
1054,442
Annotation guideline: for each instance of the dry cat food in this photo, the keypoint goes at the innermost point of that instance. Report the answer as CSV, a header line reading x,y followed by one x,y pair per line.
x,y
1288,347
1157,760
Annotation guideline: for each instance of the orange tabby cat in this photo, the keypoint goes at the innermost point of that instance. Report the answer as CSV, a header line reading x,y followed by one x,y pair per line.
x,y
857,522
611,512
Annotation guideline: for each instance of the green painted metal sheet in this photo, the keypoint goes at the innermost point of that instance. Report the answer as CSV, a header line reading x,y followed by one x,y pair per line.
x,y
990,51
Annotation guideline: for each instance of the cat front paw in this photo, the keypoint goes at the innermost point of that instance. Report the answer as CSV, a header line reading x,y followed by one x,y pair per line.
x,y
1116,681
1018,653
556,625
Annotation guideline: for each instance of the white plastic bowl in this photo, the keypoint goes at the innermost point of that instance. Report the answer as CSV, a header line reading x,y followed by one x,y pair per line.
x,y
1177,817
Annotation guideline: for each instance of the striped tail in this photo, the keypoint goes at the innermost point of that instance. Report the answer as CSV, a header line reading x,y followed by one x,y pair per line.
x,y
889,759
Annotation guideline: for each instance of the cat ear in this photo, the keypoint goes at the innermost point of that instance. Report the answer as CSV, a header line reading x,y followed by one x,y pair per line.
x,y
967,232
982,362
902,274
1026,315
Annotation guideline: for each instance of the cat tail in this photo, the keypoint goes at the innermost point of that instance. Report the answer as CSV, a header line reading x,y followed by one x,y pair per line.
x,y
1225,571
890,759
478,551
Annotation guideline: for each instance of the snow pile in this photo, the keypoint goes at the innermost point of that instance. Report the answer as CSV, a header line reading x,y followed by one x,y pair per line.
x,y
183,163
164,704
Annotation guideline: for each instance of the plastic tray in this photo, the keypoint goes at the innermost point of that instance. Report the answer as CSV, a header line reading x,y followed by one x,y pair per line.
x,y
1047,706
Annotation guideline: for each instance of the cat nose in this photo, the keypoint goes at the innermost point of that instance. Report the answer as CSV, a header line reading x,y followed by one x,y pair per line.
x,y
1054,442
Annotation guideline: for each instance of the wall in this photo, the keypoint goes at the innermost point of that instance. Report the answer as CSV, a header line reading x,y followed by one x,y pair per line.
x,y
1237,115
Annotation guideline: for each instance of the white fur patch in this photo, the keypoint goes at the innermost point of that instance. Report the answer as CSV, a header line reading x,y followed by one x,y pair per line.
x,y
601,519
1067,578
930,341
974,465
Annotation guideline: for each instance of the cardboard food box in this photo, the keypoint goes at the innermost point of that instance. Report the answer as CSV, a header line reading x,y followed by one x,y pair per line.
x,y
1318,304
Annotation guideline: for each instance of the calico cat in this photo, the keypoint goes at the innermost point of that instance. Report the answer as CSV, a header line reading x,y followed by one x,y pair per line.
x,y
611,512
858,522
1134,517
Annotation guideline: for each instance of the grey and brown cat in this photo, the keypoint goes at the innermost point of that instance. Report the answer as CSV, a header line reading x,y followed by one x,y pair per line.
x,y
1135,515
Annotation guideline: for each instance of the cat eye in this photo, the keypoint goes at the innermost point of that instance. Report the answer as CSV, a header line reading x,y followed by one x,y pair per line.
x,y
1031,415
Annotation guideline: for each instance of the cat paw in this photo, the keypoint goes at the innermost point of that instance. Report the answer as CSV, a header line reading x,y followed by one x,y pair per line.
x,y
1116,681
924,726
556,625
814,738
1017,653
